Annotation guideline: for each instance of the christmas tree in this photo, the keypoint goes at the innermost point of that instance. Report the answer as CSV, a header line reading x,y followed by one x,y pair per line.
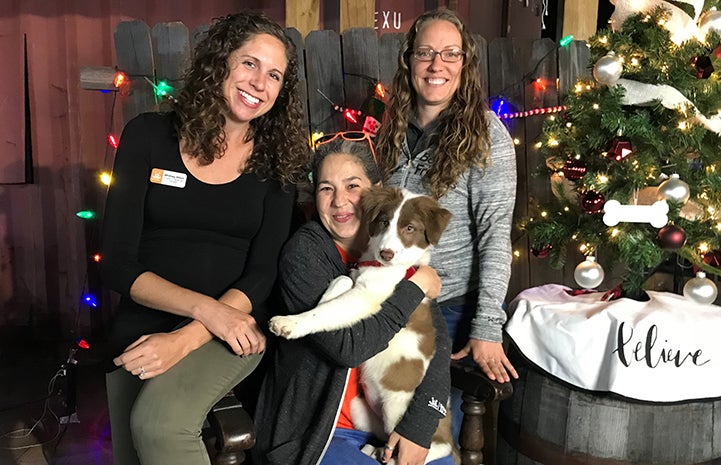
x,y
635,159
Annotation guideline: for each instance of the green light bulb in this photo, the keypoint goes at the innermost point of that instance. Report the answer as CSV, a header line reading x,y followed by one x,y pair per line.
x,y
86,214
565,41
162,88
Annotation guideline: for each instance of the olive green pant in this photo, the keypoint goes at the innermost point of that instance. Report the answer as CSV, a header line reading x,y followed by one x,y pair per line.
x,y
158,421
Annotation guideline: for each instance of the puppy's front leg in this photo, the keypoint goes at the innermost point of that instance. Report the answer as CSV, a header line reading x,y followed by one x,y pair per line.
x,y
336,287
287,326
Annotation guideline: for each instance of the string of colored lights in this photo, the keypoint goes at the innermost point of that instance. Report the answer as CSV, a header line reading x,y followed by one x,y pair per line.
x,y
535,111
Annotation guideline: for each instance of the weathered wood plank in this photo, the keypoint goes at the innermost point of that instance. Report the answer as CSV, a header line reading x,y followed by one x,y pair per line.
x,y
573,64
482,49
198,34
324,71
297,39
134,51
390,44
171,52
303,15
506,80
544,66
561,424
360,69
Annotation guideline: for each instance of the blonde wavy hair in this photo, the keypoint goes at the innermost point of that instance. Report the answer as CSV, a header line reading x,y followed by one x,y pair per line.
x,y
463,140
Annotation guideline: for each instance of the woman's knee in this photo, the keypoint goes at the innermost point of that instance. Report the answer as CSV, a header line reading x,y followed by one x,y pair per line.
x,y
155,425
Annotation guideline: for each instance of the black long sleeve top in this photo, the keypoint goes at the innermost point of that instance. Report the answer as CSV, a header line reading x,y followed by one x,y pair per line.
x,y
205,237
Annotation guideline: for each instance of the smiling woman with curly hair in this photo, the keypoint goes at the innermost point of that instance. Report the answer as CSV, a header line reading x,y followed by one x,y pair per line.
x,y
438,137
279,141
195,217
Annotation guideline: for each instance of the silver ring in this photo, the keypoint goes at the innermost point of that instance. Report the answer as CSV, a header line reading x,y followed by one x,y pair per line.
x,y
390,448
142,372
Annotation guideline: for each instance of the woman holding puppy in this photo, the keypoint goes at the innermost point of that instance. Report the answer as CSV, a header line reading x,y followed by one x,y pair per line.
x,y
303,414
438,137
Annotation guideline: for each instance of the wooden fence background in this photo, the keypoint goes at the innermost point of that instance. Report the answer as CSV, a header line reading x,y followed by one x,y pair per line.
x,y
346,68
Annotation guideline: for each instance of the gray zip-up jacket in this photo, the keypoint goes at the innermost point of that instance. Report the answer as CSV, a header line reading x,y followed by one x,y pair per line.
x,y
474,253
302,392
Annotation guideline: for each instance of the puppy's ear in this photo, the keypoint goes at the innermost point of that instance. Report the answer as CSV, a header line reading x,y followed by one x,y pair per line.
x,y
436,219
375,199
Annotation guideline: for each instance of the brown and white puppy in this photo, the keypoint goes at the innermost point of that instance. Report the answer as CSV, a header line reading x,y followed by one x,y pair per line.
x,y
403,229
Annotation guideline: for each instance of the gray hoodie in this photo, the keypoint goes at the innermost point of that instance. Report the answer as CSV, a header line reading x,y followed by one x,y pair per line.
x,y
474,254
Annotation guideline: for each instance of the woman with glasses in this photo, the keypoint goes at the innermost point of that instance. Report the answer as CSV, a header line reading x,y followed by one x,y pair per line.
x,y
304,410
438,137
196,215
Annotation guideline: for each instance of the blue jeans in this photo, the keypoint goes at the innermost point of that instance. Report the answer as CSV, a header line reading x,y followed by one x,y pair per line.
x,y
458,320
345,449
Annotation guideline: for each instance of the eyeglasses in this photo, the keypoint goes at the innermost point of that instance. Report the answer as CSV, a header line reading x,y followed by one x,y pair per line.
x,y
351,136
449,55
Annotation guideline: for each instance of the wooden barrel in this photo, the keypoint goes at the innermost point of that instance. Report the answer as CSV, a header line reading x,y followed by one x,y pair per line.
x,y
551,423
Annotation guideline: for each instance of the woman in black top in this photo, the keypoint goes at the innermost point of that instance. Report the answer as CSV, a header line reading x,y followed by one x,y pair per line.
x,y
198,209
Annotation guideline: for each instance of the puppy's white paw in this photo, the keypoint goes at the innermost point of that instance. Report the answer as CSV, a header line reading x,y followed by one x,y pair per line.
x,y
286,326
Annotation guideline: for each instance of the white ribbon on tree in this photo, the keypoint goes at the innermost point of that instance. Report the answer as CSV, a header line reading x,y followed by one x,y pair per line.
x,y
682,26
640,94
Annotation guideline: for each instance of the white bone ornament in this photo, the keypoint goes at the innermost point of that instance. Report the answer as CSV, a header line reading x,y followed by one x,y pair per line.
x,y
655,214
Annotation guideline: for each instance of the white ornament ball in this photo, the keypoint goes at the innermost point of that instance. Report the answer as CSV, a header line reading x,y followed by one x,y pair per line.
x,y
608,69
588,274
700,289
710,21
674,189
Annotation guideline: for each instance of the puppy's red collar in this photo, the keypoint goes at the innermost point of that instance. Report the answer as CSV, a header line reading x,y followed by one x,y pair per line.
x,y
409,272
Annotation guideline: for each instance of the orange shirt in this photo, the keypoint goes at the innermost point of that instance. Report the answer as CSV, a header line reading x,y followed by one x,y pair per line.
x,y
351,391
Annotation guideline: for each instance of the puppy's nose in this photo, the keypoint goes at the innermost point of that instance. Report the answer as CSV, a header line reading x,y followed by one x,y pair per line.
x,y
387,255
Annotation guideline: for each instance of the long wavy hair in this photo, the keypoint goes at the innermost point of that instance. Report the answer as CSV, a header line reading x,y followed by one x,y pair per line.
x,y
280,148
463,140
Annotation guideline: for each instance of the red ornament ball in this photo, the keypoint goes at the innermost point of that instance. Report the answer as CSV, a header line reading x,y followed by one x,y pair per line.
x,y
712,258
671,237
574,169
542,252
592,202
703,65
620,149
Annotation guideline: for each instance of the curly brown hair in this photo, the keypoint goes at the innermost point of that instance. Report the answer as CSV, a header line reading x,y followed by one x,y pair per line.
x,y
464,124
280,148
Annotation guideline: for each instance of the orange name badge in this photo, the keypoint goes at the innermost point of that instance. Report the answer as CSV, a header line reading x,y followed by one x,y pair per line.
x,y
168,178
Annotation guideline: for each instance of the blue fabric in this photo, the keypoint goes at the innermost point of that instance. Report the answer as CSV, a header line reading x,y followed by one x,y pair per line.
x,y
458,320
345,449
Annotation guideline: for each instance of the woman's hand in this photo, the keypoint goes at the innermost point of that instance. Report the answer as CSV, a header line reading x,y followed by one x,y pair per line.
x,y
407,452
152,354
428,280
228,317
236,327
490,357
